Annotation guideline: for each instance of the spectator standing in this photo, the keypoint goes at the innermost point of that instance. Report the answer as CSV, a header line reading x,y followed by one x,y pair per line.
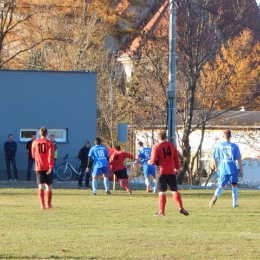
x,y
83,157
52,138
98,154
116,161
144,154
43,153
10,148
226,155
165,155
30,159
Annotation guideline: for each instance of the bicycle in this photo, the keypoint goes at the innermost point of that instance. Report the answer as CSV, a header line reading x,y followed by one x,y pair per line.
x,y
65,171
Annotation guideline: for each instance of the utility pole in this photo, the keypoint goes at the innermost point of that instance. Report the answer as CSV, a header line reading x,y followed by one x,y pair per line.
x,y
171,104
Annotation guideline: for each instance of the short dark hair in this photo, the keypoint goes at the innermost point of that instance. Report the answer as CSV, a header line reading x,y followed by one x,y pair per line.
x,y
10,135
227,133
162,135
140,143
98,140
118,147
43,131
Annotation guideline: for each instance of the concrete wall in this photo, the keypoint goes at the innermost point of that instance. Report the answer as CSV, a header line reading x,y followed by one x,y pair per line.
x,y
31,99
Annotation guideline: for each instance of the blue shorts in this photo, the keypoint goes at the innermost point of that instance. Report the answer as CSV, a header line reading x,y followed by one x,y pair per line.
x,y
99,171
148,170
223,180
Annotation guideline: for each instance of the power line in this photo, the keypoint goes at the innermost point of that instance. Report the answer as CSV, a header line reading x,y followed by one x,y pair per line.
x,y
228,18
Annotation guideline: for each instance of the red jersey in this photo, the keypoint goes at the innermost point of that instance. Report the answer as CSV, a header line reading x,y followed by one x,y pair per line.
x,y
116,160
111,151
43,153
165,155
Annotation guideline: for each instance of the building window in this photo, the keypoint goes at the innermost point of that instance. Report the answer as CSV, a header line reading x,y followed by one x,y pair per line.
x,y
26,134
61,134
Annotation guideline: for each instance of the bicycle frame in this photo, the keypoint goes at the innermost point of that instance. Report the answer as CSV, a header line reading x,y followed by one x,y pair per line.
x,y
65,171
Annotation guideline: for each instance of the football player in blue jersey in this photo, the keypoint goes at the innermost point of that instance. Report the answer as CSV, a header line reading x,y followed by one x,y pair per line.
x,y
98,157
226,155
144,154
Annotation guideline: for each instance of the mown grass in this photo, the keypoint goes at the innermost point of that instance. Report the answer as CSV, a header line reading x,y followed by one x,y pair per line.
x,y
120,226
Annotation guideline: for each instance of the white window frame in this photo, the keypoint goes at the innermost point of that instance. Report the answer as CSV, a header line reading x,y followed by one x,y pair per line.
x,y
24,139
64,138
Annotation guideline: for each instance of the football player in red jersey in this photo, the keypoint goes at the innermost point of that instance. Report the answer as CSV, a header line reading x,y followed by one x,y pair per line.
x,y
165,155
43,153
116,161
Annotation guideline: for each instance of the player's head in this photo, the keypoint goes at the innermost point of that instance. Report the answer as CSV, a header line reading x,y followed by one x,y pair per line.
x,y
43,131
10,137
118,147
140,144
227,134
98,141
161,135
52,137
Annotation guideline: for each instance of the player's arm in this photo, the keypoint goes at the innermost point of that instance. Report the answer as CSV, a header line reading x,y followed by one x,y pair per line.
x,y
129,156
240,164
176,158
33,150
89,164
51,158
216,164
154,156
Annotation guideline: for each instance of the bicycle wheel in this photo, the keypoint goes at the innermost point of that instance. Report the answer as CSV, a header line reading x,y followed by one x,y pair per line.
x,y
64,172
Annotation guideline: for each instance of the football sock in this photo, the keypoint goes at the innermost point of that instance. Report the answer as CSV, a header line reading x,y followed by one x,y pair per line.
x,y
41,196
154,183
49,196
162,203
235,195
177,199
121,183
218,191
94,186
106,183
147,182
125,184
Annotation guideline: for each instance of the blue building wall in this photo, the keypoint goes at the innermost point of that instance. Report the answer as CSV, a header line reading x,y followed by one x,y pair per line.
x,y
56,100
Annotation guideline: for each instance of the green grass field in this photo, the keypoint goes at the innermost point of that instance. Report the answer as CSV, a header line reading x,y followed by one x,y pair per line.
x,y
121,226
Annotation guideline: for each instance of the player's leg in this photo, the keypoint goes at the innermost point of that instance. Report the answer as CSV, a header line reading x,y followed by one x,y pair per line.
x,y
152,171
234,181
40,177
106,179
124,179
172,182
146,177
222,182
162,188
48,186
95,173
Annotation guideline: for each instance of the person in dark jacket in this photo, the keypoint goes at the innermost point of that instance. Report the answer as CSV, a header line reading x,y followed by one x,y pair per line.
x,y
83,157
10,148
30,159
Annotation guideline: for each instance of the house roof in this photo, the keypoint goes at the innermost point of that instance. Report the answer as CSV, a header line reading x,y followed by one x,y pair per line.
x,y
159,20
223,119
219,119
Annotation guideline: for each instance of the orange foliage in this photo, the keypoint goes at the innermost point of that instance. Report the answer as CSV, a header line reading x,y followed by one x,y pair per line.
x,y
230,80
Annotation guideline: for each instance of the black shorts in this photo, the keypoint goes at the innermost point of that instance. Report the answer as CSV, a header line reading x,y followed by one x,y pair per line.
x,y
43,178
165,180
121,174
